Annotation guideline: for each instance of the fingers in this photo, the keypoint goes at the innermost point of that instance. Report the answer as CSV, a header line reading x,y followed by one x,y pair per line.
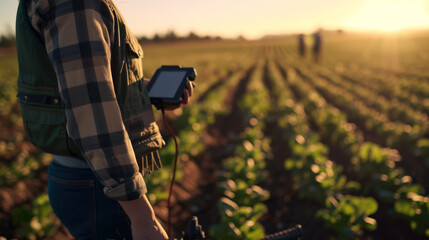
x,y
189,91
190,87
186,96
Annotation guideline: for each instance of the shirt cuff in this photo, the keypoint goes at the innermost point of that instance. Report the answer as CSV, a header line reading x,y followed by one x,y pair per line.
x,y
128,190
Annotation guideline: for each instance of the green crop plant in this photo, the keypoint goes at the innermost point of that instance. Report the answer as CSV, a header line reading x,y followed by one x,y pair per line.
x,y
415,209
348,215
36,222
238,222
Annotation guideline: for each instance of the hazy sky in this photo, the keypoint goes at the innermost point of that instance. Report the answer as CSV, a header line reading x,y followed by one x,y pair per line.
x,y
255,18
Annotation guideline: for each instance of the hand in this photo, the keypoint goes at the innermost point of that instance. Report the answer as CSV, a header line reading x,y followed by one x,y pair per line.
x,y
186,97
188,92
144,225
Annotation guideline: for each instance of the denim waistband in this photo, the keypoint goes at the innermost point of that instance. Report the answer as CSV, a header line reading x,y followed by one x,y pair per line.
x,y
70,161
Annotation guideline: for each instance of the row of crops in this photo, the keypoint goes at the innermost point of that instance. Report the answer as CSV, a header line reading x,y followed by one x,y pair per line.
x,y
373,166
350,138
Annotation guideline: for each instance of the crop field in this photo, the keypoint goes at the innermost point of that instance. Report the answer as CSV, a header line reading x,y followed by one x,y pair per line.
x,y
270,139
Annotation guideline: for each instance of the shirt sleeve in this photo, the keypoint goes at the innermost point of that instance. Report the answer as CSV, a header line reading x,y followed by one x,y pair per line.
x,y
78,35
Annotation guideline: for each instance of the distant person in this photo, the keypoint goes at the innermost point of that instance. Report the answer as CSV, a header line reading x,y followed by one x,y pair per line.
x,y
317,46
301,45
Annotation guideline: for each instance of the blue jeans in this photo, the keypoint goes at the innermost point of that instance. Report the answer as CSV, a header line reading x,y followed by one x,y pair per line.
x,y
77,199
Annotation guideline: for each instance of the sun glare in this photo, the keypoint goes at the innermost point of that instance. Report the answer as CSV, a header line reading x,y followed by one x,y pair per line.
x,y
391,15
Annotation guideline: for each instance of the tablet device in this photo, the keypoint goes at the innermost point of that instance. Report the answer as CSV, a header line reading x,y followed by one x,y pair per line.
x,y
167,85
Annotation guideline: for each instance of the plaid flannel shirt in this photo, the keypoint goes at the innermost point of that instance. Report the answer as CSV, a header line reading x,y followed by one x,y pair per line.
x,y
77,35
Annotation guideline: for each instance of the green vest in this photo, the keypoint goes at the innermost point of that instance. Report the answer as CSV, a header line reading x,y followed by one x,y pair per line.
x,y
42,108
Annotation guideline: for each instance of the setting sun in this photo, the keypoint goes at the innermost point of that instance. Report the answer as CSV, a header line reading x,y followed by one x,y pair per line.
x,y
388,15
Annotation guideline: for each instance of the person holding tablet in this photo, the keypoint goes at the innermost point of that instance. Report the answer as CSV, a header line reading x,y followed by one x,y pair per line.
x,y
83,99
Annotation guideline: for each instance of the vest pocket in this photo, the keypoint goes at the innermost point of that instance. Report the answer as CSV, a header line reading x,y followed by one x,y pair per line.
x,y
134,56
45,126
136,98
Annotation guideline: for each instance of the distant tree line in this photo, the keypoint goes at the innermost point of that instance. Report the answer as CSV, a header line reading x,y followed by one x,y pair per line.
x,y
171,36
8,39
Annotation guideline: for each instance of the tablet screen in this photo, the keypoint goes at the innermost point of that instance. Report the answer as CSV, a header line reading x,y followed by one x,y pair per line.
x,y
166,84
